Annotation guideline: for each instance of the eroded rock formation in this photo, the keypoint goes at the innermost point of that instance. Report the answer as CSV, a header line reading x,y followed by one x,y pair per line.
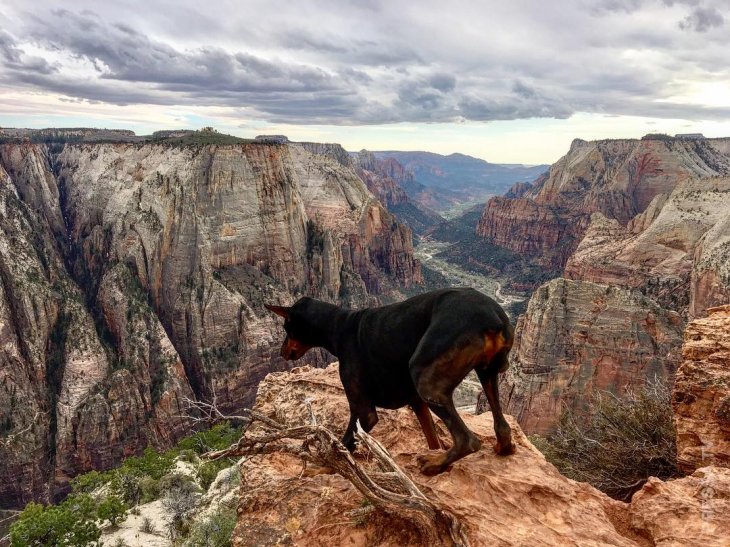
x,y
577,338
134,275
646,216
676,250
617,178
376,175
387,179
702,393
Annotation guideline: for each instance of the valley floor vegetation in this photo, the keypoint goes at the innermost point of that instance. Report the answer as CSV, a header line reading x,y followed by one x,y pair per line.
x,y
617,443
104,499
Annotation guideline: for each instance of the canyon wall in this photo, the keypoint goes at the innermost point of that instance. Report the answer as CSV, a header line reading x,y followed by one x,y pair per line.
x,y
676,250
702,393
133,276
377,175
388,180
617,178
577,338
646,218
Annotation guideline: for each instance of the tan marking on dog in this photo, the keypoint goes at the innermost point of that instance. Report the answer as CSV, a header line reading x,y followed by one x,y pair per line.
x,y
290,346
493,343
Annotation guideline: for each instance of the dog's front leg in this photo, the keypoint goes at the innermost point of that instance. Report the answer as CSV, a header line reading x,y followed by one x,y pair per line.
x,y
366,414
361,408
348,438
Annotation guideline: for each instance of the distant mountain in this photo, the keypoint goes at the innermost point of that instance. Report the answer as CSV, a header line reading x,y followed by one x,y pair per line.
x,y
470,178
395,187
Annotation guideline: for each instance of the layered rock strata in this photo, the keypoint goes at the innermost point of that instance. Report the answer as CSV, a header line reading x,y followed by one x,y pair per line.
x,y
379,182
701,397
71,398
577,338
617,178
387,179
134,276
677,250
647,216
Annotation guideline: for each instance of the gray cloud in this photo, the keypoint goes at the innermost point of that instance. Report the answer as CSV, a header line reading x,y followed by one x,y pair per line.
x,y
304,40
524,91
610,6
380,63
353,75
16,59
8,48
121,53
702,19
350,50
681,2
475,108
442,82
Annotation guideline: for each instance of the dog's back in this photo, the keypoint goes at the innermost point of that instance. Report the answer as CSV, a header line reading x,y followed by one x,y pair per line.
x,y
385,340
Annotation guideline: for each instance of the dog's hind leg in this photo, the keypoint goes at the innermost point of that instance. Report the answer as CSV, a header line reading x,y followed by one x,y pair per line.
x,y
488,377
420,408
465,442
437,367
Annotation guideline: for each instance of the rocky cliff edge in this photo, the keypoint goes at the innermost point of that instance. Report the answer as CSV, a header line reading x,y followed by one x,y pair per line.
x,y
517,500
702,392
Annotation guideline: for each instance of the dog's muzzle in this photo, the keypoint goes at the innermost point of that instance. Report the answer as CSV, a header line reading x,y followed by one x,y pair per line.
x,y
291,350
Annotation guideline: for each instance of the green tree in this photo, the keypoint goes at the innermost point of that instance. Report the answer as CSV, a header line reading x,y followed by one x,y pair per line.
x,y
70,524
150,463
215,531
113,509
88,482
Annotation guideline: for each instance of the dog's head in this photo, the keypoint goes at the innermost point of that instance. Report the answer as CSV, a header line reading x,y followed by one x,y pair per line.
x,y
299,332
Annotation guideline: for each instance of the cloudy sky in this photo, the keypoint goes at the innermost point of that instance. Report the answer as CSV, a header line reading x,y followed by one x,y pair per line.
x,y
508,83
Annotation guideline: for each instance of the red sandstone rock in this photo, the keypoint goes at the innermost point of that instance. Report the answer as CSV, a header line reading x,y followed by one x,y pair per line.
x,y
577,338
201,237
617,178
518,500
702,392
694,510
676,250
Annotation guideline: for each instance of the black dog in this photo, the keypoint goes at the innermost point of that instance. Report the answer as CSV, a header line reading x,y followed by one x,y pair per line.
x,y
411,353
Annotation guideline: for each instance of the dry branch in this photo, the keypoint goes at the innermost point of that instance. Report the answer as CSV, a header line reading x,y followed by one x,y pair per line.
x,y
389,490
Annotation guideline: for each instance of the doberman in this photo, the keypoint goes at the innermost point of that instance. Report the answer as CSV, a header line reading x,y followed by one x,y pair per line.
x,y
410,353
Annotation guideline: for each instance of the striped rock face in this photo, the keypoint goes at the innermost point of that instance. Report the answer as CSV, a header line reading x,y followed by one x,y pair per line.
x,y
134,275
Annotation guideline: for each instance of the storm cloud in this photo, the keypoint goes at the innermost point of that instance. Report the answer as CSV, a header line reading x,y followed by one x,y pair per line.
x,y
375,63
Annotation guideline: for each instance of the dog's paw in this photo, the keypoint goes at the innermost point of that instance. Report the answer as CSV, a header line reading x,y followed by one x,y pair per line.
x,y
432,464
504,449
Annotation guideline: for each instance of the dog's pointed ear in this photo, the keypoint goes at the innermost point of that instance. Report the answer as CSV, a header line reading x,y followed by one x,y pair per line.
x,y
278,310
